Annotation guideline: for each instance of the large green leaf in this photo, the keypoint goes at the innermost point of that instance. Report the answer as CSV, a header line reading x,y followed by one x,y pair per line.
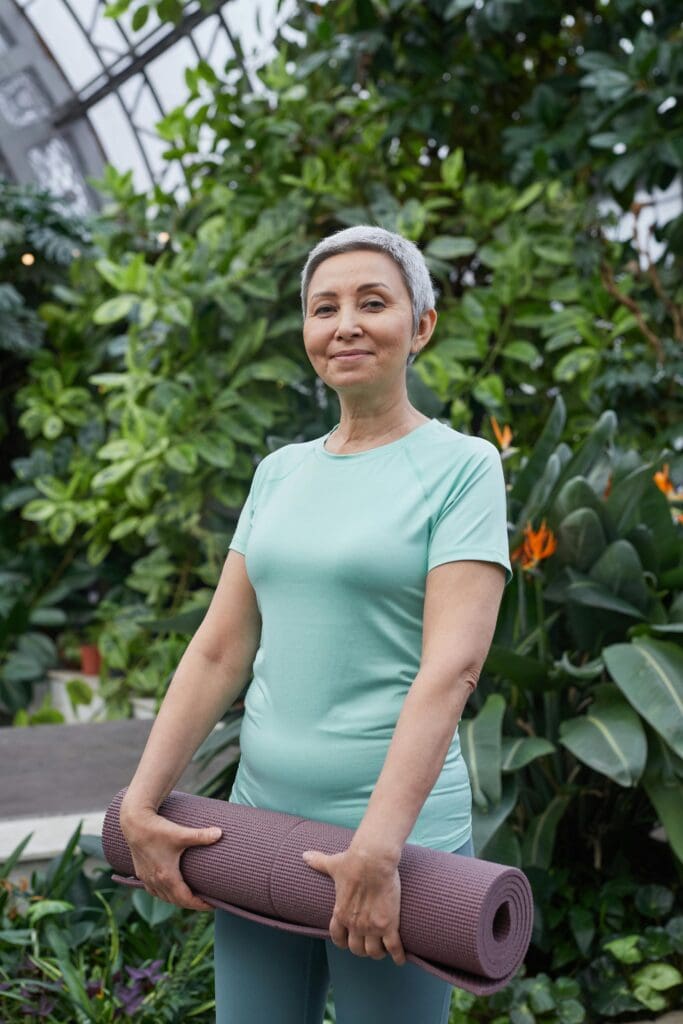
x,y
573,363
594,595
609,737
152,910
643,540
649,672
114,309
480,740
573,495
449,247
112,474
620,570
485,823
276,368
624,498
662,762
504,847
663,783
539,839
592,447
550,435
539,496
518,751
62,525
216,449
656,513
518,668
580,539
588,670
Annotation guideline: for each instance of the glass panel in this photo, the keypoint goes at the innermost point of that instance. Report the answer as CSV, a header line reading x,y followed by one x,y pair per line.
x,y
118,139
62,36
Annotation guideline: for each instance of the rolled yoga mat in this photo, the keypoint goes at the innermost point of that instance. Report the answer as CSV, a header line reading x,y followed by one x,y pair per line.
x,y
466,920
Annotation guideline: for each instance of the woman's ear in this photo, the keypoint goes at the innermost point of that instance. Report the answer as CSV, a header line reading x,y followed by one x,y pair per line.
x,y
425,329
426,326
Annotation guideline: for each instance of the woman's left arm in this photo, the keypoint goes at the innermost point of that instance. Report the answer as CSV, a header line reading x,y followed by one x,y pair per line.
x,y
462,600
460,612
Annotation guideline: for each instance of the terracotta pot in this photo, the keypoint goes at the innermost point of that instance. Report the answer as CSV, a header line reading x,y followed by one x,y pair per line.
x,y
91,660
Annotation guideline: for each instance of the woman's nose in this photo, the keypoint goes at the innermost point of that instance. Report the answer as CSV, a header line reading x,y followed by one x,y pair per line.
x,y
347,323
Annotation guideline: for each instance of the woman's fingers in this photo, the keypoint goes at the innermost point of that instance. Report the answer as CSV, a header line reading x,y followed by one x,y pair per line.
x,y
338,933
368,945
198,836
156,850
394,947
176,891
374,947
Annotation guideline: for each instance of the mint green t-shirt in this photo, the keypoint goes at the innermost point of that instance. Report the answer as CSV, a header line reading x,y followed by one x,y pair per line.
x,y
337,548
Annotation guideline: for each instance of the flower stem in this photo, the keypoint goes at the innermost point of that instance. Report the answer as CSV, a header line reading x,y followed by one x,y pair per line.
x,y
540,619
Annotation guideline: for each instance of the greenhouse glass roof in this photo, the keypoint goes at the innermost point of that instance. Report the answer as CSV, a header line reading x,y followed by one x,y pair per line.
x,y
78,89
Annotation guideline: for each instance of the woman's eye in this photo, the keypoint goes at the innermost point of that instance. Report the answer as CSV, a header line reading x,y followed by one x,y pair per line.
x,y
372,302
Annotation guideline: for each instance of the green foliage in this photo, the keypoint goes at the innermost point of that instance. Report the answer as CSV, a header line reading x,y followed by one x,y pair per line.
x,y
47,610
584,656
607,957
80,948
32,224
175,358
83,948
154,356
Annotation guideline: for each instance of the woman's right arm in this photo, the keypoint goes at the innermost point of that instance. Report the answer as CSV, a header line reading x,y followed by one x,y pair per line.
x,y
212,672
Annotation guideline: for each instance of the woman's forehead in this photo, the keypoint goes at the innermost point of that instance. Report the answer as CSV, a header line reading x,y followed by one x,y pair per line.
x,y
349,269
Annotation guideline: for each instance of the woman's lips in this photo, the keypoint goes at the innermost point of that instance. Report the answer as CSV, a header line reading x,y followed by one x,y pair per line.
x,y
350,355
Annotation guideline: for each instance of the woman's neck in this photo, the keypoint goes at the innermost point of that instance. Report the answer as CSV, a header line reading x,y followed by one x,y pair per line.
x,y
358,432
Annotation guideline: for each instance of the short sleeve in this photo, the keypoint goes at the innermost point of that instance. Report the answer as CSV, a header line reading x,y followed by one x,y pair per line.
x,y
243,528
472,522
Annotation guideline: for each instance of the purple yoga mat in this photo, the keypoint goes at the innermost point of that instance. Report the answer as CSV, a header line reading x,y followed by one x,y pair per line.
x,y
466,920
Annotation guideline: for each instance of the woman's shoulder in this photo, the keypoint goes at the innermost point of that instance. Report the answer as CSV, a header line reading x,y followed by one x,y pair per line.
x,y
284,459
447,443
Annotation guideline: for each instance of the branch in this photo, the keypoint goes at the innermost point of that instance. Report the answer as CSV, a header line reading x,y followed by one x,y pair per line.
x,y
608,281
674,310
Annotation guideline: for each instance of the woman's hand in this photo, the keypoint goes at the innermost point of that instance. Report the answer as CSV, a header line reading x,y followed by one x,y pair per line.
x,y
156,844
368,902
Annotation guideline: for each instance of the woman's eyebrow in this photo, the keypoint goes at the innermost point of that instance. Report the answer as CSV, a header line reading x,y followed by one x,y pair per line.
x,y
360,288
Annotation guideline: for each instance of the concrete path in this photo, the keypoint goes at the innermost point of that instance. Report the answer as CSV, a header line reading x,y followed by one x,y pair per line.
x,y
53,776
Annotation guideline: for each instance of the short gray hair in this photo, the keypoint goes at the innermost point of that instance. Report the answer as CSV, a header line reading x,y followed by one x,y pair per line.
x,y
403,252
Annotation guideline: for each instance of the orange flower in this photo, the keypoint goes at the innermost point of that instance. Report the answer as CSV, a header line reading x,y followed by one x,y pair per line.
x,y
671,493
504,436
663,481
537,545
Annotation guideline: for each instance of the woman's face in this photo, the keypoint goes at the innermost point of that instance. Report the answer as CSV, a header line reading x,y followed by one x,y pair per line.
x,y
358,301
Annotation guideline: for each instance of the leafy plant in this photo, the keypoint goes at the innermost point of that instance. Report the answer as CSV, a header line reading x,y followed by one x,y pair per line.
x,y
85,949
588,676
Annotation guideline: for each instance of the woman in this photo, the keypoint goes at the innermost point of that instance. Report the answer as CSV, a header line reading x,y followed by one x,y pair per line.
x,y
359,600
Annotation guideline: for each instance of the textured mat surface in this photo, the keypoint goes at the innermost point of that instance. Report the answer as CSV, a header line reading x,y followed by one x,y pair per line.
x,y
465,920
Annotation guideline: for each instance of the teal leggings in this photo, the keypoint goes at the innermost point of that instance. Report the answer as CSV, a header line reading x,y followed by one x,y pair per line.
x,y
267,976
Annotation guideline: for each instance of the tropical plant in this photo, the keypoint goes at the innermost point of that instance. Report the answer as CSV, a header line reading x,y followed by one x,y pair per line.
x,y
584,681
175,360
